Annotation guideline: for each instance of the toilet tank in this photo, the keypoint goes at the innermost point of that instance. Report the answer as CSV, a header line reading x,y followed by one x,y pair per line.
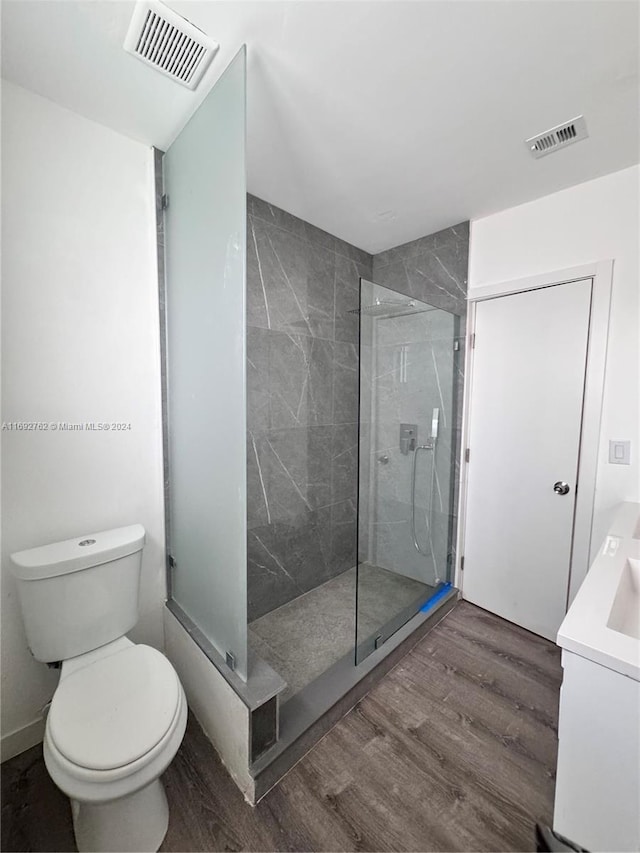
x,y
79,594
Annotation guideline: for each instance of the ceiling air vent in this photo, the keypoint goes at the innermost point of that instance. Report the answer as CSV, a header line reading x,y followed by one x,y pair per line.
x,y
558,137
169,43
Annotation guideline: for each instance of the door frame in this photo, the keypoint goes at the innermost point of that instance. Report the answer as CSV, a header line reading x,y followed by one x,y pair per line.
x,y
601,273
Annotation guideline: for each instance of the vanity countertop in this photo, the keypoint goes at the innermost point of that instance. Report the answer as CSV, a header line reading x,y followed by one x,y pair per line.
x,y
603,622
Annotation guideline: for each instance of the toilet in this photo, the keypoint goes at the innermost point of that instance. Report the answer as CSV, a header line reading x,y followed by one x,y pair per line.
x,y
119,712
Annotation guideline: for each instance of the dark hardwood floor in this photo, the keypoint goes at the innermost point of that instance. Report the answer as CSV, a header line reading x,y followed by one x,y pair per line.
x,y
454,749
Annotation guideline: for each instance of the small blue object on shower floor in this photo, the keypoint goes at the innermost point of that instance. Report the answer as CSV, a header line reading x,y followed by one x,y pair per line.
x,y
435,598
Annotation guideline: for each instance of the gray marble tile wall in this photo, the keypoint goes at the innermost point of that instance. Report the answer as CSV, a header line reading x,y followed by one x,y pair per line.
x,y
302,405
434,269
302,389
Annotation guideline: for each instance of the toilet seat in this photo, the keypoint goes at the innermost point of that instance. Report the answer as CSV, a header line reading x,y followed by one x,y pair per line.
x,y
116,710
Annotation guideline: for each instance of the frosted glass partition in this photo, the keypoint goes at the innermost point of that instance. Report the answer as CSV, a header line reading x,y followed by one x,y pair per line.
x,y
205,224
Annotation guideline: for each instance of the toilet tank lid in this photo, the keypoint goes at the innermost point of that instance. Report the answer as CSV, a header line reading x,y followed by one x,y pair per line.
x,y
82,552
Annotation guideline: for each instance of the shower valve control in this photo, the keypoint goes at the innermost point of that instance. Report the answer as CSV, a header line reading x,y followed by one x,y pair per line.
x,y
408,438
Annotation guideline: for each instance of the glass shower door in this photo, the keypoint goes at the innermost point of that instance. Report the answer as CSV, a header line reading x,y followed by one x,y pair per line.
x,y
405,460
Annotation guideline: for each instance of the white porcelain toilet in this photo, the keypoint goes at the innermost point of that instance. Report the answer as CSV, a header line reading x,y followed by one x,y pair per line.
x,y
119,713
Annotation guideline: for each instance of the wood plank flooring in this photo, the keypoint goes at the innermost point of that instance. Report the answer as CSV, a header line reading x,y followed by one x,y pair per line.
x,y
453,750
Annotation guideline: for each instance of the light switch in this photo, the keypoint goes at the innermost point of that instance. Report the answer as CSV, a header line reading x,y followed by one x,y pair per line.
x,y
620,452
611,545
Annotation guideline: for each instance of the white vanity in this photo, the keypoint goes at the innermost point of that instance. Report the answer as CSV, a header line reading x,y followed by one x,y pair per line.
x,y
598,780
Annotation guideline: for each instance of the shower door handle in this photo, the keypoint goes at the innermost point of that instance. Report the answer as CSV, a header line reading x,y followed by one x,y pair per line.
x,y
561,488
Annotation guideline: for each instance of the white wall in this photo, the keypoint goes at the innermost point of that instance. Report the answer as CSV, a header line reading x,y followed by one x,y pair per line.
x,y
80,343
594,221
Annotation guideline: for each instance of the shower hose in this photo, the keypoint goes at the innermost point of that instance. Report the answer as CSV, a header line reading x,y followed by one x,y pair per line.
x,y
432,448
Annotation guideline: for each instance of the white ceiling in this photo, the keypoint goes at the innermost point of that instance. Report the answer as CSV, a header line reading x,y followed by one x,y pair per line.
x,y
377,121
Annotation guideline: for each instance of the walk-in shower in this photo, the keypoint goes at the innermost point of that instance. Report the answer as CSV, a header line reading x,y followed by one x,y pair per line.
x,y
407,353
309,520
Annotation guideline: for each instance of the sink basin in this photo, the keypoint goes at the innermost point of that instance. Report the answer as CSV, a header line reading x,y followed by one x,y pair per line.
x,y
624,615
603,622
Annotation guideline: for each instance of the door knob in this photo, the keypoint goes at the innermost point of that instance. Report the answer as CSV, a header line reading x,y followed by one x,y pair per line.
x,y
561,488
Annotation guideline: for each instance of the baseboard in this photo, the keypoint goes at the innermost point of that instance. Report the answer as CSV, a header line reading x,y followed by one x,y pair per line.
x,y
20,740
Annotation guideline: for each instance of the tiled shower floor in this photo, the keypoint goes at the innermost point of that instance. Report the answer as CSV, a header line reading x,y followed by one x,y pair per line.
x,y
303,638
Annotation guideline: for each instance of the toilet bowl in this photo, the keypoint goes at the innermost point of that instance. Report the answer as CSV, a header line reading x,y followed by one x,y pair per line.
x,y
115,724
119,712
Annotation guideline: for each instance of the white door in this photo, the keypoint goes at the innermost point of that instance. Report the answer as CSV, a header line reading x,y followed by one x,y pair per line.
x,y
529,367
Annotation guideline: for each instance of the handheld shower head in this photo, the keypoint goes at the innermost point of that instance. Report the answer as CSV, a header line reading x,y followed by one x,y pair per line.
x,y
435,418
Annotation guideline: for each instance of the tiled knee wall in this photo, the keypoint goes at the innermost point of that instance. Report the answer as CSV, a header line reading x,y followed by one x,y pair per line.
x,y
302,389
